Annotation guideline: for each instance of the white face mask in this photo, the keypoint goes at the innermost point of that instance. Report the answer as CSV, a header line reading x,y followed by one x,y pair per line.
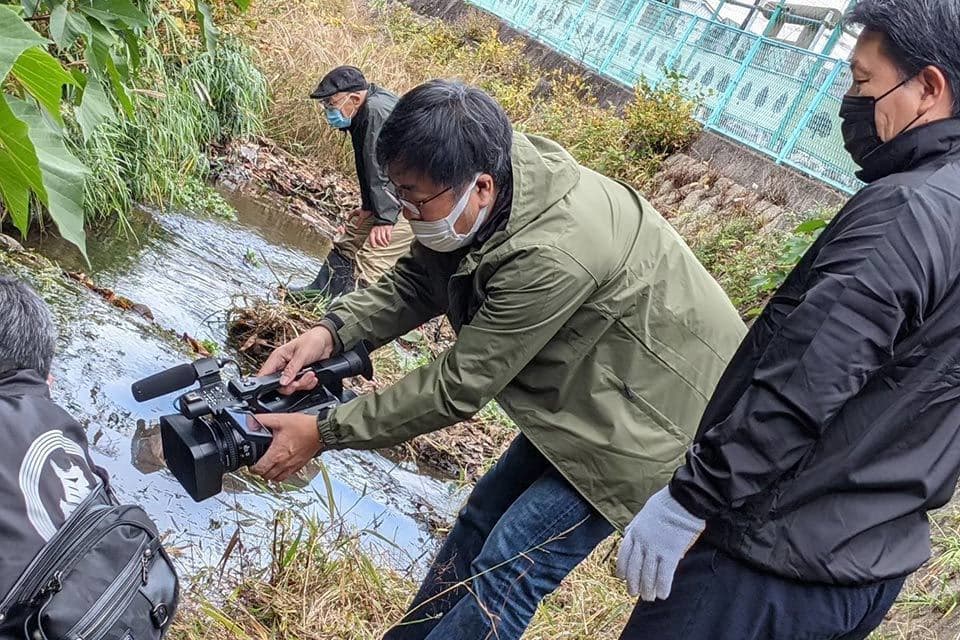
x,y
440,235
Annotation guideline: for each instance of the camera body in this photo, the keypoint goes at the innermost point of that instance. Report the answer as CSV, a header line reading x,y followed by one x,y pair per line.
x,y
216,433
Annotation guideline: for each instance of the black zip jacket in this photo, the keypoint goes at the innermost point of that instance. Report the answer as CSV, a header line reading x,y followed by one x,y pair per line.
x,y
836,426
45,470
364,130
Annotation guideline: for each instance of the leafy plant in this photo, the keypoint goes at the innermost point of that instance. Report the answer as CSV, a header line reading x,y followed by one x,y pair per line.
x,y
250,257
792,250
99,49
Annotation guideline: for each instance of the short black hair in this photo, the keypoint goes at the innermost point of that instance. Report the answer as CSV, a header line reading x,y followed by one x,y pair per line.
x,y
917,34
28,337
449,132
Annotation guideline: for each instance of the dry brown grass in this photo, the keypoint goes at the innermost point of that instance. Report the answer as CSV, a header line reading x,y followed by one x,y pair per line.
x,y
319,586
298,42
326,587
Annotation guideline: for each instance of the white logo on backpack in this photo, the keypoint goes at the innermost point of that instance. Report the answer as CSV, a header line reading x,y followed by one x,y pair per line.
x,y
54,453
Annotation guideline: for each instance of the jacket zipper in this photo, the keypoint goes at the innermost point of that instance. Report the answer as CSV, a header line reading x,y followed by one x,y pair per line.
x,y
37,574
107,608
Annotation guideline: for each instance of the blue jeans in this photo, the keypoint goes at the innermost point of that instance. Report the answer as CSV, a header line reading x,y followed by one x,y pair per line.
x,y
523,529
718,597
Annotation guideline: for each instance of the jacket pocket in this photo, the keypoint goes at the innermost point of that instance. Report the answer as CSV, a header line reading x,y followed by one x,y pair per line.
x,y
648,409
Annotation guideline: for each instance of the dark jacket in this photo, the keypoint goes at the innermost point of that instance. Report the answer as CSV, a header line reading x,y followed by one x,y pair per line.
x,y
364,130
45,470
836,426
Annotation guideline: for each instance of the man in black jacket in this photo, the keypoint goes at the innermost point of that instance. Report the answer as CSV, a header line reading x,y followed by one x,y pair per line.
x,y
45,469
376,237
803,501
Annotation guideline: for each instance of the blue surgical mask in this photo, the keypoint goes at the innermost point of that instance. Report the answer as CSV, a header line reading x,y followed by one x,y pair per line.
x,y
336,119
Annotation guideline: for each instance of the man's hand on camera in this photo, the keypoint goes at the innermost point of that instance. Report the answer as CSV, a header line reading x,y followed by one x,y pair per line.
x,y
295,442
312,346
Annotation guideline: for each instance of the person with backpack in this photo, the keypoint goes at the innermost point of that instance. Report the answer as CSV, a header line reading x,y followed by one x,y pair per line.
x,y
74,562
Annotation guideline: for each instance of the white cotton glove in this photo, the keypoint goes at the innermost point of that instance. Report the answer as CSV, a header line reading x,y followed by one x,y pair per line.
x,y
653,545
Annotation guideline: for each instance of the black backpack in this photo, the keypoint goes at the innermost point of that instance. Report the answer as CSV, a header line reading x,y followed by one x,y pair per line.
x,y
103,576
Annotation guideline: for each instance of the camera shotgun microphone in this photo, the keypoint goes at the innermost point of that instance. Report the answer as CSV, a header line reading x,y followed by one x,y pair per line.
x,y
160,384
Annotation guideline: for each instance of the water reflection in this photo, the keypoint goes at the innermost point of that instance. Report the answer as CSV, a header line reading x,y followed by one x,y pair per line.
x,y
188,270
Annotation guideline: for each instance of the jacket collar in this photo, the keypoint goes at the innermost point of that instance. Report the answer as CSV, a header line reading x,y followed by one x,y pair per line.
x,y
914,148
543,174
23,382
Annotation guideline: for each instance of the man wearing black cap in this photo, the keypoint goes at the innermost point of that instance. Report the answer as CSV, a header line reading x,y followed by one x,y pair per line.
x,y
376,237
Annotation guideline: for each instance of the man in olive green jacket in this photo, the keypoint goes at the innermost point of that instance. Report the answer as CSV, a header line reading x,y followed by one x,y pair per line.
x,y
576,306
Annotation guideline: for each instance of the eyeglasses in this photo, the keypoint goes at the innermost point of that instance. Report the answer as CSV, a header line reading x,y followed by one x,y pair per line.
x,y
412,207
328,102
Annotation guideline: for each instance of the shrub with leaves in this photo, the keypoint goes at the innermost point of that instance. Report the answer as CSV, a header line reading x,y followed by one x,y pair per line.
x,y
74,57
792,250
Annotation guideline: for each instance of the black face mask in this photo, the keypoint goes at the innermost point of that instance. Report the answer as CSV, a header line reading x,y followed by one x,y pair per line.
x,y
859,126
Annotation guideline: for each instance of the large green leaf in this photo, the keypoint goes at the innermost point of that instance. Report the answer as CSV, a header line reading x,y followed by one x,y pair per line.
x,y
243,5
101,61
95,108
77,26
15,191
30,7
58,25
133,48
79,78
16,36
207,26
19,167
63,175
43,76
15,140
114,12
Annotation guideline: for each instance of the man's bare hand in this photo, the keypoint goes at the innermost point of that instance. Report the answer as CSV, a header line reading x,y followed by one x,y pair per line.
x,y
295,442
381,235
312,346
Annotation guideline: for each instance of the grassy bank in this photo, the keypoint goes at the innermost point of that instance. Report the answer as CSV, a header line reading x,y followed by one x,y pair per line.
x,y
190,99
322,585
398,49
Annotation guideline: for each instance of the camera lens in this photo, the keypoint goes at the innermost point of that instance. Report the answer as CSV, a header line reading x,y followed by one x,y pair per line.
x,y
223,437
193,455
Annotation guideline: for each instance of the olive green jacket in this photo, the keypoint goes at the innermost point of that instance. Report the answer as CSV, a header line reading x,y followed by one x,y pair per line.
x,y
587,318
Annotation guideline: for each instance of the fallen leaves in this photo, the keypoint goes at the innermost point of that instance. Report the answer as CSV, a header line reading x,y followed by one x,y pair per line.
x,y
126,304
109,295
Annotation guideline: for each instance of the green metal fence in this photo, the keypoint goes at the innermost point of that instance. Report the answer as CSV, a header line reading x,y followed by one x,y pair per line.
x,y
770,96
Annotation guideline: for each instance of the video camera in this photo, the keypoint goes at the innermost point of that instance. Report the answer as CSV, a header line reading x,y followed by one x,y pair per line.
x,y
216,433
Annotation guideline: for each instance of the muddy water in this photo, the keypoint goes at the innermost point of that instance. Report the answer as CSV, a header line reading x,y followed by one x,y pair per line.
x,y
188,270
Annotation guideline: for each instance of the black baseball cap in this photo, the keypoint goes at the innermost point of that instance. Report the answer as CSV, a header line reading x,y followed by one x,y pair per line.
x,y
344,78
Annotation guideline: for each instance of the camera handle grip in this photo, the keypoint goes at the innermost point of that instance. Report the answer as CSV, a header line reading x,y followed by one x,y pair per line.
x,y
279,404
